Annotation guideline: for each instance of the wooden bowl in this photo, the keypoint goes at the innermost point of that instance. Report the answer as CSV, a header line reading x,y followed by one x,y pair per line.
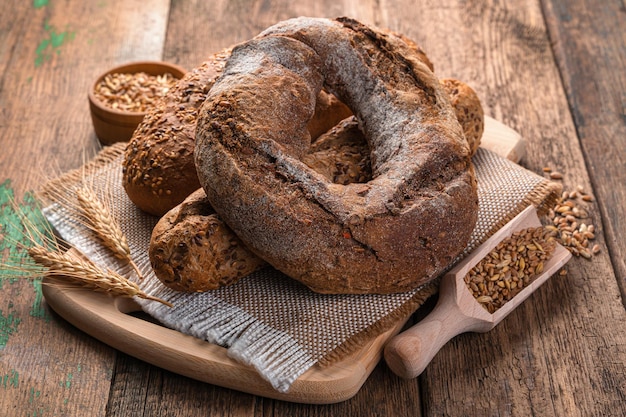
x,y
113,125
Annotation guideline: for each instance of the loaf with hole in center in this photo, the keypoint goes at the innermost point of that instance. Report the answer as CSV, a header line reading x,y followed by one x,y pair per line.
x,y
393,233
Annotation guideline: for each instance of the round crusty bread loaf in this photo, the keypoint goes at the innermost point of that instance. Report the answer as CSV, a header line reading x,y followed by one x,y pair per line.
x,y
192,250
185,257
341,155
391,234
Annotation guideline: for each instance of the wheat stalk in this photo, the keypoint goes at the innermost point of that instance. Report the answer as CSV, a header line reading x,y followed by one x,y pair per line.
x,y
86,273
50,260
104,225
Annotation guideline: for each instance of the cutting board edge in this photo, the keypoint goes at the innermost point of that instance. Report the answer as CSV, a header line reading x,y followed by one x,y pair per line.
x,y
106,319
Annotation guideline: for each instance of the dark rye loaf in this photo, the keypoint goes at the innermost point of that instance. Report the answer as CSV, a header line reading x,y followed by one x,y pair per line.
x,y
391,234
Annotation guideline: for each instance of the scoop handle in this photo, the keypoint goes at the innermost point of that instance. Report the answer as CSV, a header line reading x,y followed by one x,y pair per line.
x,y
408,353
456,312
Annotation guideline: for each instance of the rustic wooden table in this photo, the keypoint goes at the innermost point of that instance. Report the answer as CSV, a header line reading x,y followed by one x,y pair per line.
x,y
554,70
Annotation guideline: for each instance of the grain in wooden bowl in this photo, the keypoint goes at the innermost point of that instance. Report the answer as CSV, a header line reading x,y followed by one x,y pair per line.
x,y
120,97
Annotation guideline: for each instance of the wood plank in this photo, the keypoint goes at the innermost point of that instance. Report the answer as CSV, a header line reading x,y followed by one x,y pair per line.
x,y
590,49
383,394
50,53
534,362
141,389
198,29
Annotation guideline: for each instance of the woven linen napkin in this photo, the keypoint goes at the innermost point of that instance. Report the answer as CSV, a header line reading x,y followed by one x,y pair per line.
x,y
267,320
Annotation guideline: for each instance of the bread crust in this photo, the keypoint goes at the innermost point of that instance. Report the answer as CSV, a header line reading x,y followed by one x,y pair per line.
x,y
187,258
393,233
342,153
192,250
158,169
468,110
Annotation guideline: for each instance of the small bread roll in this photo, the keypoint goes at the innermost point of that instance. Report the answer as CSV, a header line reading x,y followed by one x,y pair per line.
x,y
192,250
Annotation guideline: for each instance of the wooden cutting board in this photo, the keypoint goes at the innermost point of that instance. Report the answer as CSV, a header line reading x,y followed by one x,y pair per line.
x,y
111,320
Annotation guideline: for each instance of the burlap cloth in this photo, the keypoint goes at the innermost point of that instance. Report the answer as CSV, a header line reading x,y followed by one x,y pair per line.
x,y
268,320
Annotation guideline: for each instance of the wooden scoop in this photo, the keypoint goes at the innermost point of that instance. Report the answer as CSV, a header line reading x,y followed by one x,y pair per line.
x,y
457,311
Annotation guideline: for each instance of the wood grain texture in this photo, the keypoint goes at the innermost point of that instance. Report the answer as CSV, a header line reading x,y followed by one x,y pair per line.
x,y
198,28
590,51
50,52
551,69
505,50
56,368
169,394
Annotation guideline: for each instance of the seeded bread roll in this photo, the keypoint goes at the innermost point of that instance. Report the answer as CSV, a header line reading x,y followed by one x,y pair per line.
x,y
192,250
158,167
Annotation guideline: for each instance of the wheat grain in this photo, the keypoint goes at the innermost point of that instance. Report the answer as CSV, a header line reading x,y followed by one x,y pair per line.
x,y
571,225
133,92
104,225
510,267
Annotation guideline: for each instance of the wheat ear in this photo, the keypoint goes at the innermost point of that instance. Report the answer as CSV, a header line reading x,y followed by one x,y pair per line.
x,y
105,226
86,273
